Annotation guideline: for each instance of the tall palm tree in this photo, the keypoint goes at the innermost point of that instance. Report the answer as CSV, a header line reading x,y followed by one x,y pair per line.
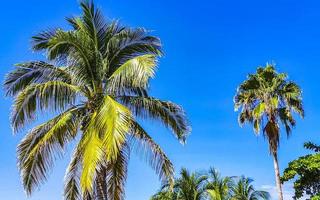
x,y
244,190
96,81
267,99
218,187
189,186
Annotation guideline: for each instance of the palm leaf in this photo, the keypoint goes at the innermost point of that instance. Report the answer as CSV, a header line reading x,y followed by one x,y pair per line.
x,y
33,72
170,114
72,190
153,152
36,152
56,95
135,73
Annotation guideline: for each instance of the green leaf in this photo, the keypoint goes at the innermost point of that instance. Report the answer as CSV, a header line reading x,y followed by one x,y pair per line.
x,y
136,72
92,157
274,102
259,110
36,152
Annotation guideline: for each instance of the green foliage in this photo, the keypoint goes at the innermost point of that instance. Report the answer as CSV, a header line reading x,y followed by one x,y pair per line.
x,y
267,100
96,81
267,96
209,186
218,187
244,190
306,173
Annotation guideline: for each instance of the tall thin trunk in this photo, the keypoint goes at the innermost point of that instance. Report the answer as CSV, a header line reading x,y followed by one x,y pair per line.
x,y
277,173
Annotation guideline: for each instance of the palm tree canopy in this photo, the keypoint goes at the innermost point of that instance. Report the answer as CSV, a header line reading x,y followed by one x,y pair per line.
x,y
96,81
210,186
266,99
189,186
244,190
218,187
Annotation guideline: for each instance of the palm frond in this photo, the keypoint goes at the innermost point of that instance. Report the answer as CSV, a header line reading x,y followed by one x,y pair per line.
x,y
117,174
36,152
153,153
33,72
75,49
112,123
94,23
106,135
129,43
41,40
170,114
93,154
312,146
56,95
135,73
72,190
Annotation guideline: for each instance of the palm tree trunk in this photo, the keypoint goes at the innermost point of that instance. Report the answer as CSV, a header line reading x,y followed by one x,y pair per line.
x,y
277,173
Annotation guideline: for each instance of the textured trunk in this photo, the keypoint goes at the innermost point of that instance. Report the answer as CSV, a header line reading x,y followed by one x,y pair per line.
x,y
277,173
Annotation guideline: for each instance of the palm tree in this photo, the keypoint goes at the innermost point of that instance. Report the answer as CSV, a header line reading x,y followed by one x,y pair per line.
x,y
267,99
166,194
96,81
244,190
218,187
189,186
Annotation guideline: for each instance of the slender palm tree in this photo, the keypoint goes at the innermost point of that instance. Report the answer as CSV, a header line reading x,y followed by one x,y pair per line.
x,y
267,99
95,81
218,187
244,190
189,186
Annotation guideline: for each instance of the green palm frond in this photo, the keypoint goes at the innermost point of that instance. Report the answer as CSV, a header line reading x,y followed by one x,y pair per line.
x,y
312,146
93,154
72,190
129,43
41,40
36,152
56,95
170,114
33,72
74,47
112,123
135,73
148,149
94,23
117,174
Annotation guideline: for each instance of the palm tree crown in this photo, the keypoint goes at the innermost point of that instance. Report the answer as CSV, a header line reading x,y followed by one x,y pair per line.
x,y
96,80
268,96
218,187
267,99
189,186
244,190
209,186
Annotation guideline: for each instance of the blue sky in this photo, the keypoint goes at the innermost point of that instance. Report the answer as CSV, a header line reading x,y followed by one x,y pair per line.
x,y
210,46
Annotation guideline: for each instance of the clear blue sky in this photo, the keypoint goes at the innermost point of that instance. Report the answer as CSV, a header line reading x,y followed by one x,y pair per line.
x,y
210,46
